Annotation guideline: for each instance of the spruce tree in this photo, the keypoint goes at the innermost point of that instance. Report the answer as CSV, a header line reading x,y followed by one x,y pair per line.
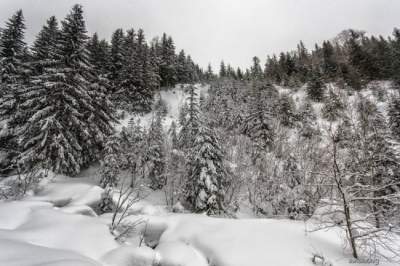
x,y
256,70
190,123
258,125
99,55
167,55
285,110
44,50
71,117
111,162
155,155
394,117
333,107
206,181
307,119
12,80
315,88
116,59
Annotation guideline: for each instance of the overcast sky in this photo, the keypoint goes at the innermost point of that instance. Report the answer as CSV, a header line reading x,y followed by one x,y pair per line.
x,y
211,30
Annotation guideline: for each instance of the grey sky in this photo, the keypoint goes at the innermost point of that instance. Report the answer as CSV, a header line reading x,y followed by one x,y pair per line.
x,y
211,30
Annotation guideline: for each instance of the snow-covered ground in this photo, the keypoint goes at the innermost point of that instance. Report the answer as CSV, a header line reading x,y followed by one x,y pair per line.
x,y
56,225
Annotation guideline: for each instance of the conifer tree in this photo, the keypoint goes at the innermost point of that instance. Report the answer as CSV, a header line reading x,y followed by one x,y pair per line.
x,y
206,180
99,55
69,117
155,155
112,162
394,117
258,126
117,59
256,70
44,50
307,118
12,81
285,110
333,107
167,61
222,70
190,124
315,88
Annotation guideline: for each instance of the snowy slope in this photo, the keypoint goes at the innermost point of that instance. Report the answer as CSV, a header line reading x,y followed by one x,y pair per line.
x,y
174,99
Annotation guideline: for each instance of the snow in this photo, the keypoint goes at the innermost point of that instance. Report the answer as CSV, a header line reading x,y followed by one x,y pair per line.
x,y
174,99
201,240
17,253
63,191
131,256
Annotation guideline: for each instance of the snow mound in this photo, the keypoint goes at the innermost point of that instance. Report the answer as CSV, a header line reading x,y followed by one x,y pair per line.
x,y
131,256
51,228
183,239
63,191
16,253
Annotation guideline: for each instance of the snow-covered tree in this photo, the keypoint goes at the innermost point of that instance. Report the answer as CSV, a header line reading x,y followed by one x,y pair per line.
x,y
12,79
155,154
258,125
394,117
116,59
307,119
333,107
206,179
315,88
112,162
286,110
190,124
68,115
